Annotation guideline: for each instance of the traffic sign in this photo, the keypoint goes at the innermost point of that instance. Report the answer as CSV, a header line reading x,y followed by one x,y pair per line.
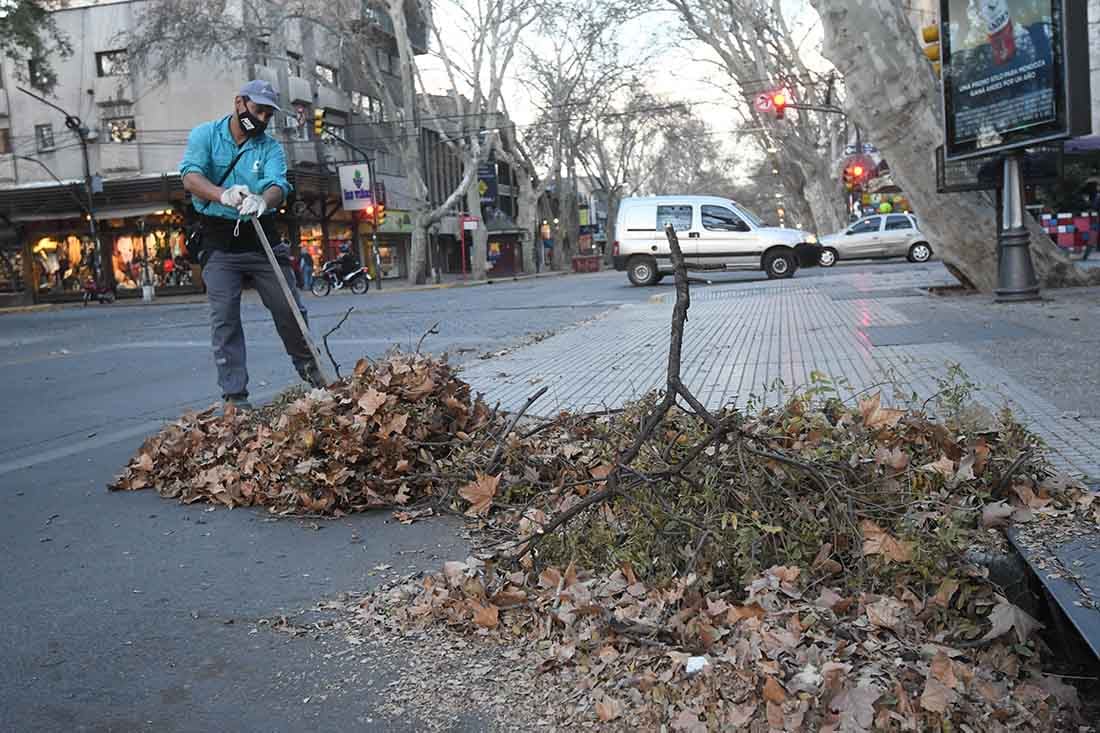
x,y
763,102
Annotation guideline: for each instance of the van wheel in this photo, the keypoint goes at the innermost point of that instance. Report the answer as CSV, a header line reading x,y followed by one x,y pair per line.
x,y
642,271
779,265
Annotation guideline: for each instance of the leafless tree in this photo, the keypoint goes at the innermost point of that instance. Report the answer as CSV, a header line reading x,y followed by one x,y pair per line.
x,y
758,51
893,91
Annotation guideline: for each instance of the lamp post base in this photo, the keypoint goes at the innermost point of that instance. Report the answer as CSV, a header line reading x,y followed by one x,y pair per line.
x,y
1016,279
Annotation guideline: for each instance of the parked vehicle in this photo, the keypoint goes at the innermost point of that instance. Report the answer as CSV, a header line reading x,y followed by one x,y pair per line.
x,y
93,291
329,279
877,237
714,233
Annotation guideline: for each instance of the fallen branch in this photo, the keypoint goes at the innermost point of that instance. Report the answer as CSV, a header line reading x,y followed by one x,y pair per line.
x,y
331,331
511,426
433,330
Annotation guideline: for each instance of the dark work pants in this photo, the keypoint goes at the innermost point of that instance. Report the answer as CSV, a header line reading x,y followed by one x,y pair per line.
x,y
224,274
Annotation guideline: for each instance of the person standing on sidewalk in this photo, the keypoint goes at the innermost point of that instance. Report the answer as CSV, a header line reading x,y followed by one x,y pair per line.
x,y
251,168
1094,222
306,264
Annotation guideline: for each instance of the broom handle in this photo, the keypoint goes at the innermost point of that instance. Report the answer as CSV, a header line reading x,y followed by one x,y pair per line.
x,y
321,365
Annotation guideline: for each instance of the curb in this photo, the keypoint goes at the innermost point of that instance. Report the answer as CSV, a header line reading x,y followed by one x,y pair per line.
x,y
192,299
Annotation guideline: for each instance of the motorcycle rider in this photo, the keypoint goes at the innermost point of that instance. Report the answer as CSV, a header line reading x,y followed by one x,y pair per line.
x,y
347,264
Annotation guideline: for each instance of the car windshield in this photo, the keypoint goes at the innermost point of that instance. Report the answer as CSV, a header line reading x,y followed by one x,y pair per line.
x,y
746,214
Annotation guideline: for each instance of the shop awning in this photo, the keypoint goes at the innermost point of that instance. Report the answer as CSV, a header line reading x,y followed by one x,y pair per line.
x,y
115,212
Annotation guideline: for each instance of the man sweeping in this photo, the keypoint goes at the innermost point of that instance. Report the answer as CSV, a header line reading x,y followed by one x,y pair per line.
x,y
234,171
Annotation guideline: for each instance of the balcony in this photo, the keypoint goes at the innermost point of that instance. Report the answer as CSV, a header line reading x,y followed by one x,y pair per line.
x,y
333,99
113,89
119,157
7,169
300,91
377,19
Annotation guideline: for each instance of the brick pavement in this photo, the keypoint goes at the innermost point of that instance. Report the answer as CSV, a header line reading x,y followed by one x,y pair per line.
x,y
749,342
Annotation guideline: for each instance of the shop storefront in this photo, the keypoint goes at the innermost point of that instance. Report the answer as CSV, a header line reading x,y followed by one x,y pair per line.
x,y
146,244
394,243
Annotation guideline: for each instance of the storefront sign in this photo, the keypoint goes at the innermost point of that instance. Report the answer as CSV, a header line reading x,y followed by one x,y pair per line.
x,y
1015,72
397,222
355,186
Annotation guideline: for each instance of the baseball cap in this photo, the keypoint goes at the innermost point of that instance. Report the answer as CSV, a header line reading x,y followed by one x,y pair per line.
x,y
261,92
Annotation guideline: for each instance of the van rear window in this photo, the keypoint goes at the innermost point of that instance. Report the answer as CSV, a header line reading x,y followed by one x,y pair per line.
x,y
678,216
639,219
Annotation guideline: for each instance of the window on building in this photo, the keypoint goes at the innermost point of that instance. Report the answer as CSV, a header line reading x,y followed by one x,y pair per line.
x,y
112,63
721,219
327,74
383,61
263,53
122,129
678,216
43,135
298,129
5,141
294,63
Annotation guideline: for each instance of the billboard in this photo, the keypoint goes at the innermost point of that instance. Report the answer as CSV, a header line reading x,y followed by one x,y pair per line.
x,y
355,186
1008,73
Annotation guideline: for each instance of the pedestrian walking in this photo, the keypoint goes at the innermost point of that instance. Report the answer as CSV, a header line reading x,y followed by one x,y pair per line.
x,y
305,262
1094,222
235,171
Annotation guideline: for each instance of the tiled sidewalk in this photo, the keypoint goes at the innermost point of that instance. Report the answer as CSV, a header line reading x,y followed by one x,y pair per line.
x,y
755,339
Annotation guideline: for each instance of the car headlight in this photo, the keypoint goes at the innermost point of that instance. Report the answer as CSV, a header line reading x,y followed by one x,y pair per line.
x,y
811,239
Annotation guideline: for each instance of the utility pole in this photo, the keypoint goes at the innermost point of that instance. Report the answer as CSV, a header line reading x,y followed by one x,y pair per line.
x,y
104,273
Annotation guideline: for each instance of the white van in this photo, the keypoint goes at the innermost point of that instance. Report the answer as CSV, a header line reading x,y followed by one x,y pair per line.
x,y
714,233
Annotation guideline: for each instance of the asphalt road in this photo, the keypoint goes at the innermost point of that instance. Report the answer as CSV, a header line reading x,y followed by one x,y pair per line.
x,y
124,612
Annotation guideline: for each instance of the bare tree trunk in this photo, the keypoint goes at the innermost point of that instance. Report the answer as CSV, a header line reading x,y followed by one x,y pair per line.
x,y
893,93
479,237
527,220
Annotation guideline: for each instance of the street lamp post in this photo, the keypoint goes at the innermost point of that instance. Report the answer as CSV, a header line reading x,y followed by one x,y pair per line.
x,y
147,289
104,273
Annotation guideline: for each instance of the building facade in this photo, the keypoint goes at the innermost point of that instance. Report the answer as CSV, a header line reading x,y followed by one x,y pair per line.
x,y
135,133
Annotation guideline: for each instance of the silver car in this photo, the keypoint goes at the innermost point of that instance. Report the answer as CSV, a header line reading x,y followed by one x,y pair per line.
x,y
877,237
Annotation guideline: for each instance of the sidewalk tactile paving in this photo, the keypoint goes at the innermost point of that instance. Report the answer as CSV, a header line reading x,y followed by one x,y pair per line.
x,y
741,342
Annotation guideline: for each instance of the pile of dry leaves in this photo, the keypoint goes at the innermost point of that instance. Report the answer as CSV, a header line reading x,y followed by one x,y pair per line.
x,y
375,439
806,568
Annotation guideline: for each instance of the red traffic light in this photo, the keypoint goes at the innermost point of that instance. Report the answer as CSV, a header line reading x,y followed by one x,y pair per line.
x,y
779,102
857,171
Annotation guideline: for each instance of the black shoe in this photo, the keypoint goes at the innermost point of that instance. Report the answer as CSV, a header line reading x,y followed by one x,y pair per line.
x,y
239,401
311,375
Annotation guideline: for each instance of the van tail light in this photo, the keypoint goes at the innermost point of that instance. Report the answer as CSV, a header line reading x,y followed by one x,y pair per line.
x,y
615,248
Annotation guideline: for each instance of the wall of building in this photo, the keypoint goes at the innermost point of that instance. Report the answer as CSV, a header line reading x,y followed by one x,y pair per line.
x,y
162,113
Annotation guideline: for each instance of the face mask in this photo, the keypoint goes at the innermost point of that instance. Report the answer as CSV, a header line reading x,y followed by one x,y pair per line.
x,y
252,125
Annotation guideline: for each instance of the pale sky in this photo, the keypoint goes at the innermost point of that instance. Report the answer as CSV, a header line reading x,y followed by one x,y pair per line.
x,y
681,72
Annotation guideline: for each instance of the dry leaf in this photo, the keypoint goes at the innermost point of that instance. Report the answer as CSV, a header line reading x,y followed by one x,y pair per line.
x,y
774,692
946,592
943,669
371,400
996,514
886,613
875,416
944,467
1006,616
876,541
608,709
937,696
487,617
480,494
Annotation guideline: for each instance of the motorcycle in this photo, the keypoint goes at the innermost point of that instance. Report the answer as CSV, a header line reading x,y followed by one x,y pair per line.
x,y
93,291
329,279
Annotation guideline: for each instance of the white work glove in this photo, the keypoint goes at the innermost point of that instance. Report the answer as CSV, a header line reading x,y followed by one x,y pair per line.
x,y
253,205
234,195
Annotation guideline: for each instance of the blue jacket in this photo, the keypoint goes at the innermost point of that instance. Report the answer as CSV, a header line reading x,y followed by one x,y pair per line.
x,y
210,150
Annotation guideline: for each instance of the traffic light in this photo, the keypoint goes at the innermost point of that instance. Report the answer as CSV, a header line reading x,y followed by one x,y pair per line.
x,y
779,103
854,176
931,36
368,213
318,121
379,214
